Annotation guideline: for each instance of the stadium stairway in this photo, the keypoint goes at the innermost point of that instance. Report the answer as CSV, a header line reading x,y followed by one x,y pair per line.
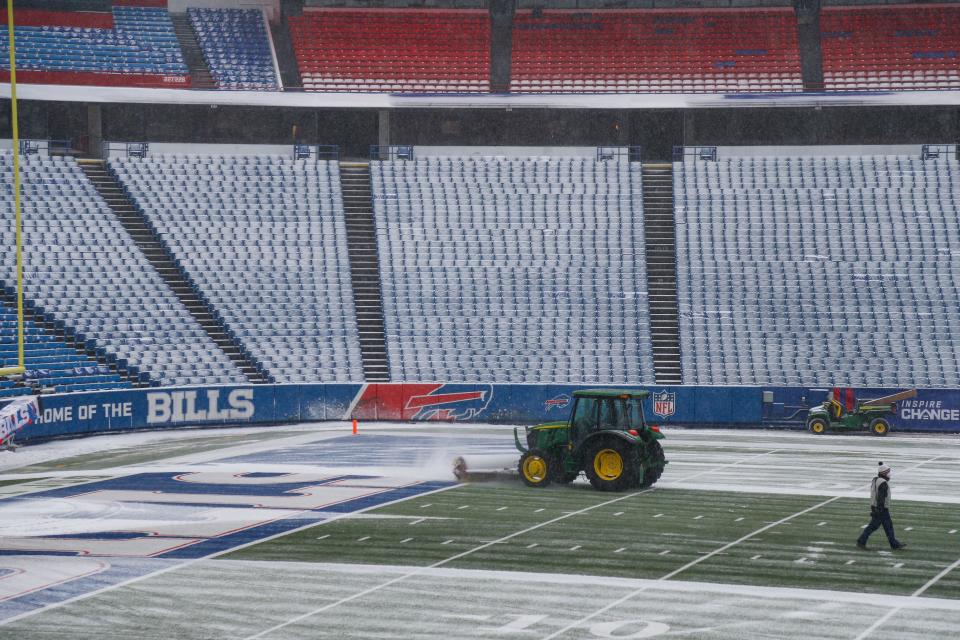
x,y
159,257
200,76
661,250
364,268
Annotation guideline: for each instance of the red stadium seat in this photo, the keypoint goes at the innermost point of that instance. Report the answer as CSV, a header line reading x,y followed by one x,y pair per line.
x,y
633,51
891,48
409,50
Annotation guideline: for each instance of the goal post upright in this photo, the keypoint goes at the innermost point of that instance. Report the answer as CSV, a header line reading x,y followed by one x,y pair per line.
x,y
20,368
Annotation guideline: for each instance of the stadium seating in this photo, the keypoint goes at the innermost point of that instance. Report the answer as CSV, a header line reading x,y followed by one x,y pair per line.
x,y
236,47
409,50
891,48
733,50
84,270
513,270
263,239
819,270
51,364
140,48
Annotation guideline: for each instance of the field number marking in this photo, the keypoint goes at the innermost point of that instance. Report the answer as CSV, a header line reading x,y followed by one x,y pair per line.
x,y
619,629
752,535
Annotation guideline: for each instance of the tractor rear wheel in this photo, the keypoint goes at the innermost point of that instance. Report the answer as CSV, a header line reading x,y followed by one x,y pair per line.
x,y
612,465
535,468
656,461
879,427
817,426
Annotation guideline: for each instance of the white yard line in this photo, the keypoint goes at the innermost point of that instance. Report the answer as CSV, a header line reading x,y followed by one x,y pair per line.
x,y
420,570
729,545
916,594
181,565
440,563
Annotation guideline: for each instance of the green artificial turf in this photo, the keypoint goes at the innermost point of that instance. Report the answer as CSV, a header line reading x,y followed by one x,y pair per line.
x,y
651,535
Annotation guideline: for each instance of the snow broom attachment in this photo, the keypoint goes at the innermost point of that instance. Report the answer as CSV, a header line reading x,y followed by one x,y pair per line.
x,y
484,468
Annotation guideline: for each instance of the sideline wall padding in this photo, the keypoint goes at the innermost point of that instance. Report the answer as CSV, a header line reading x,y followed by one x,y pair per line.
x,y
157,408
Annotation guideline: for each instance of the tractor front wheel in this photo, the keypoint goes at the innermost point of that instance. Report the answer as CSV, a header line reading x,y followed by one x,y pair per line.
x,y
612,465
535,468
879,427
817,426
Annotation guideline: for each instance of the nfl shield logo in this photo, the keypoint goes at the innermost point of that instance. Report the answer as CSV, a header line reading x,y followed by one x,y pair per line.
x,y
664,404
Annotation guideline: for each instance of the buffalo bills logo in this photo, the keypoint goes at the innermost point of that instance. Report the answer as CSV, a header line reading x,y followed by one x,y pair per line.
x,y
451,402
664,404
560,402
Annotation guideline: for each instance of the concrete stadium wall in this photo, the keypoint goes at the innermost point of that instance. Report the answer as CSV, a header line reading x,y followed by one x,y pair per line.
x,y
157,408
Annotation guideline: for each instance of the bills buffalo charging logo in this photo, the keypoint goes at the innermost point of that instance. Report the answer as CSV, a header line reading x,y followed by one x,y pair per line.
x,y
456,402
664,404
560,402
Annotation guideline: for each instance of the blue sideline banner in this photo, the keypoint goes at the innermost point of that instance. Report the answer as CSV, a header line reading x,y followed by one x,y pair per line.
x,y
158,408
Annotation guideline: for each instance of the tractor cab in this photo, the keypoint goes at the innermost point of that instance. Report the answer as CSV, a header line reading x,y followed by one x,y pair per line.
x,y
595,411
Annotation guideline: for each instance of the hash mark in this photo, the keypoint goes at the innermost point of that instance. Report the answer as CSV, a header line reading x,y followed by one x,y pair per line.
x,y
531,546
501,508
538,510
417,521
575,547
621,549
800,560
659,515
323,537
820,524
363,538
618,513
698,517
406,541
664,552
898,565
849,562
756,557
424,506
739,519
952,531
466,506
908,529
446,542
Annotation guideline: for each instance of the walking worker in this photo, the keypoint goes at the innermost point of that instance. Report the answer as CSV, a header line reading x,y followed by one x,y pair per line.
x,y
880,510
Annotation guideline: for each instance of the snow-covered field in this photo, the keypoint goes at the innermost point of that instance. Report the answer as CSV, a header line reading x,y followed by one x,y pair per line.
x,y
121,537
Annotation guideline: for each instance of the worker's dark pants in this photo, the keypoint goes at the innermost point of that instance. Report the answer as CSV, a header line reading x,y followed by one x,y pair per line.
x,y
880,517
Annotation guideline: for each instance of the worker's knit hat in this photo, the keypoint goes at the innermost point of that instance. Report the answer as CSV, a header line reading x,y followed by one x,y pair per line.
x,y
882,469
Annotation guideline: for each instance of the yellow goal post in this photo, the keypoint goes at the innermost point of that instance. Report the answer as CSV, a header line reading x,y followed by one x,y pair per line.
x,y
18,232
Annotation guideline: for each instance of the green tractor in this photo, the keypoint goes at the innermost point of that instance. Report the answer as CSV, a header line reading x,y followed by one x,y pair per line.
x,y
606,437
866,414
